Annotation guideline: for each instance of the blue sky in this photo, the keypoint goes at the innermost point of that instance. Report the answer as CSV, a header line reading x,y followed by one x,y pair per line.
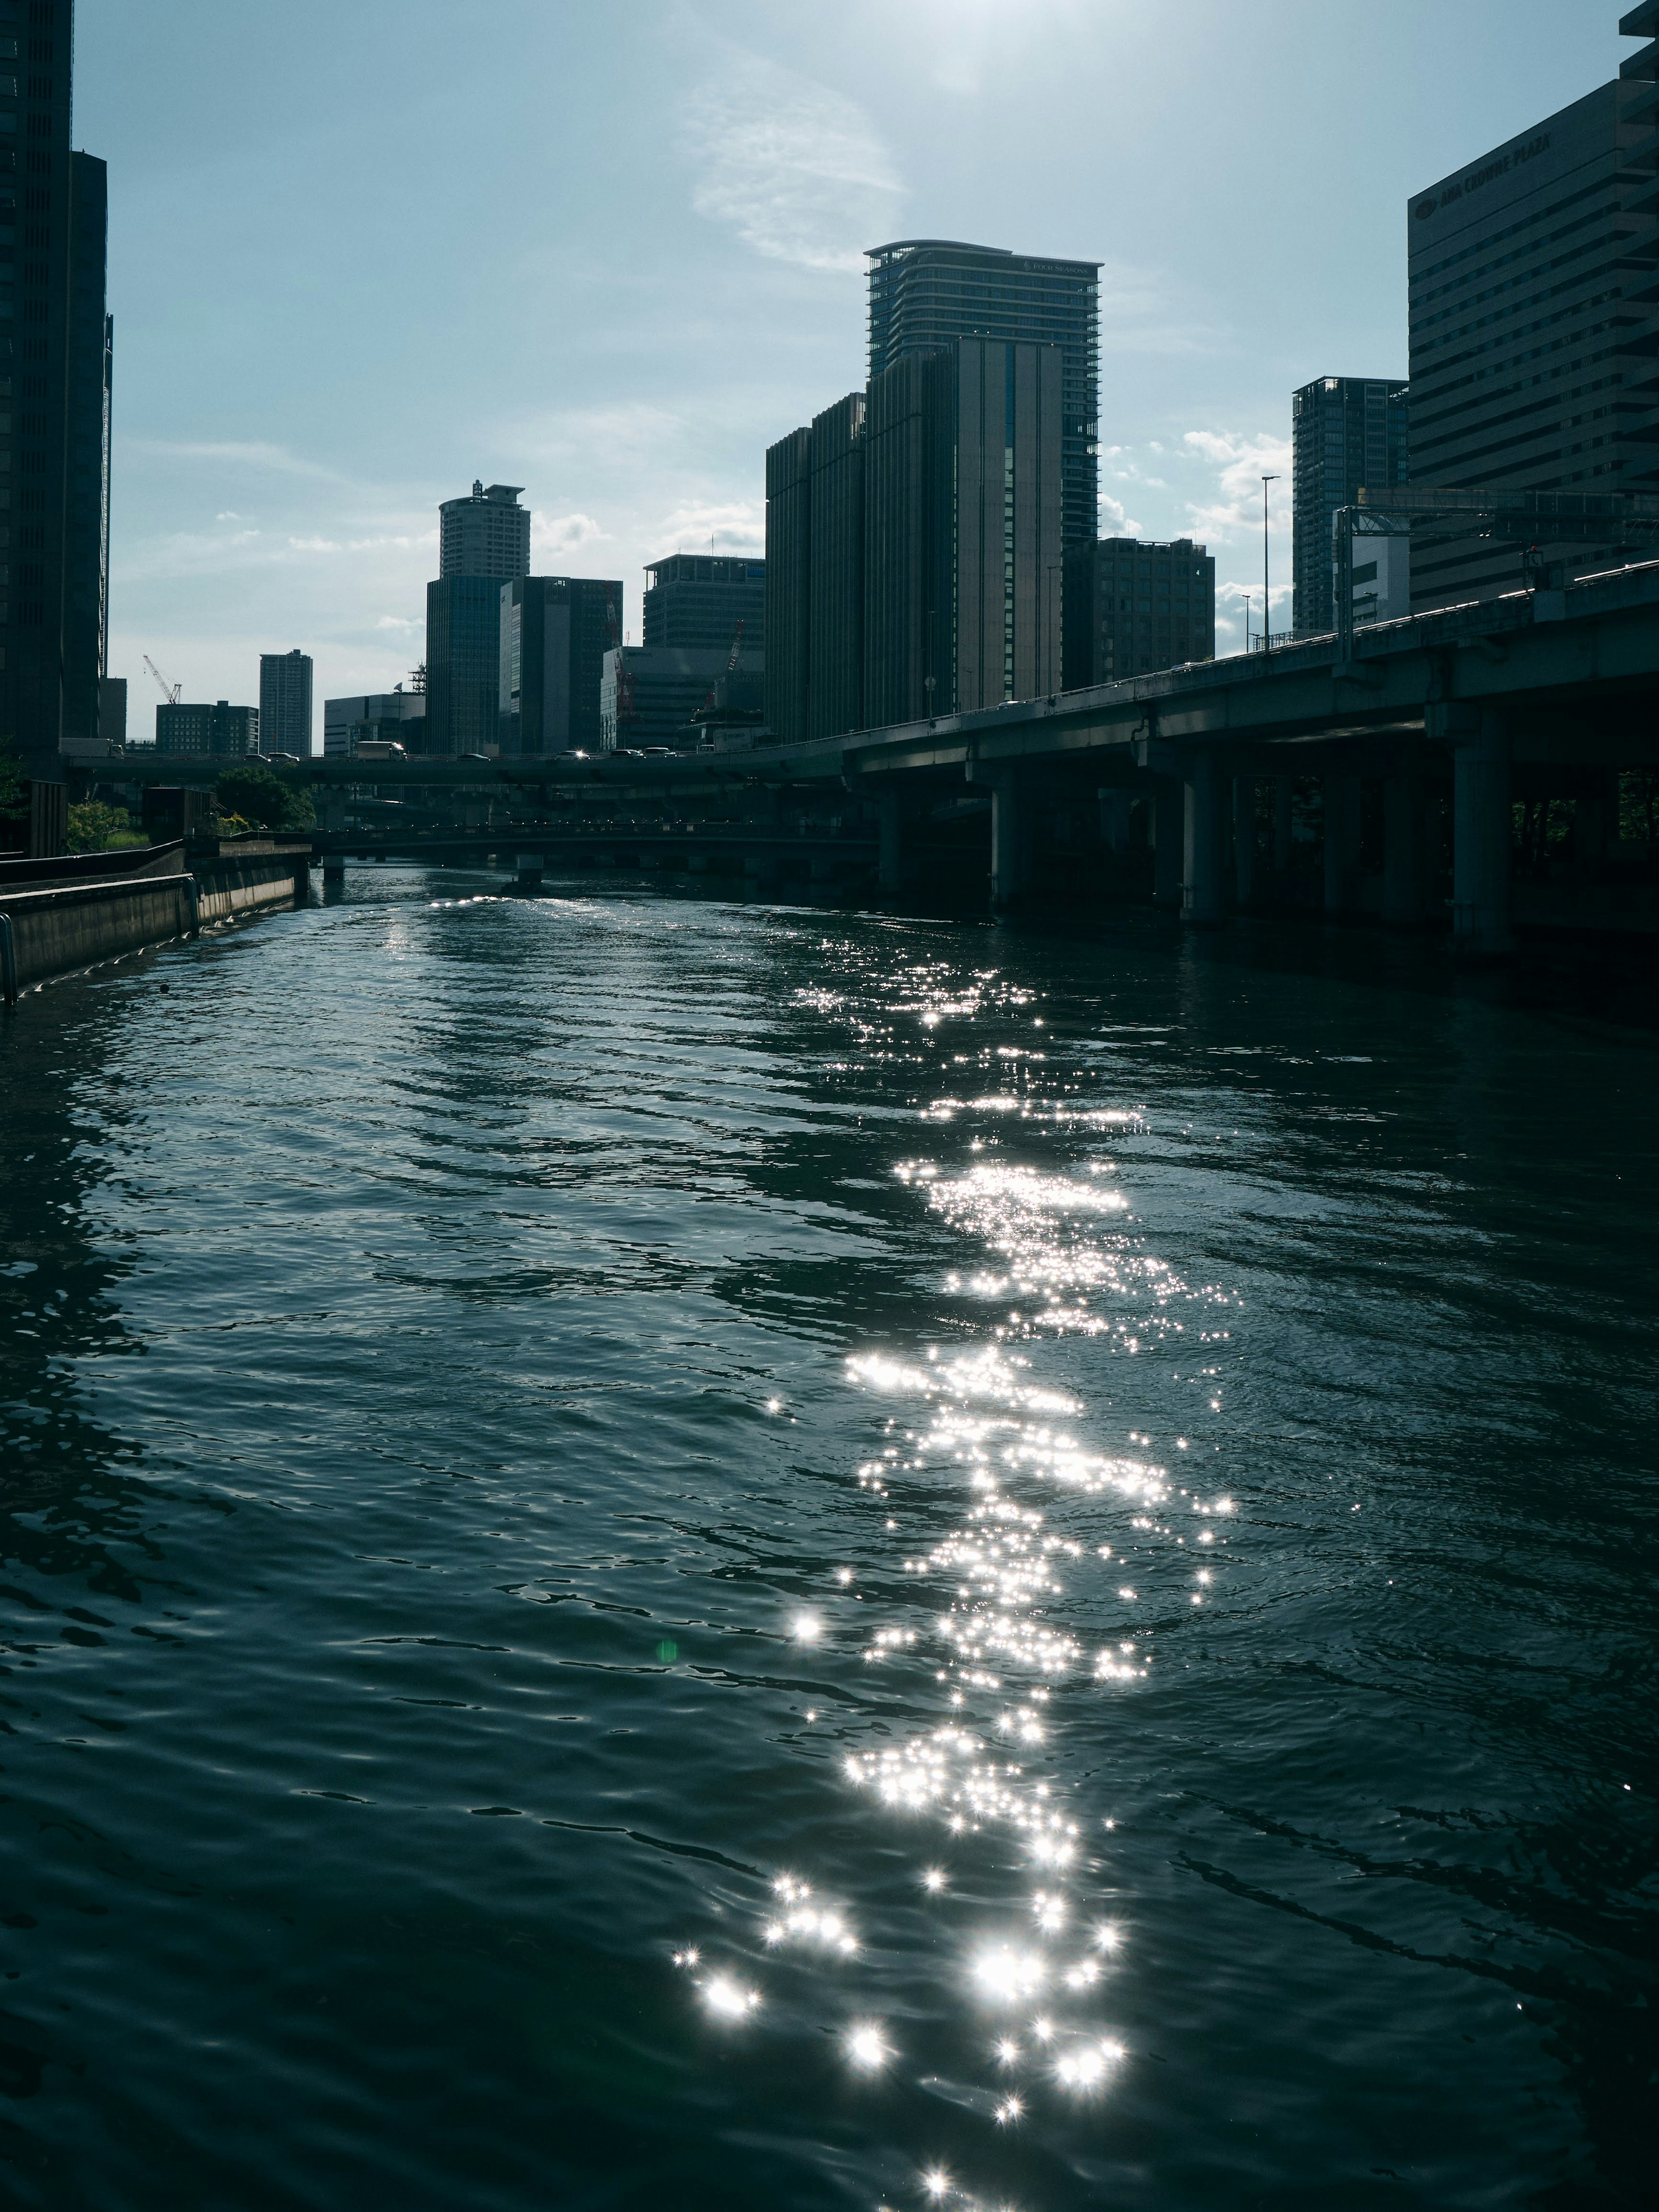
x,y
362,253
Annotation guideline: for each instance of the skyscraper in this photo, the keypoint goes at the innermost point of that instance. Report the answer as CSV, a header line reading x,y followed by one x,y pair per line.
x,y
285,703
485,534
695,601
554,633
91,352
53,388
925,292
1534,276
483,542
919,528
1346,431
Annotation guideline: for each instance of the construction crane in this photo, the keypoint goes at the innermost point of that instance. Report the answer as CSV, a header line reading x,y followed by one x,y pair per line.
x,y
170,692
731,662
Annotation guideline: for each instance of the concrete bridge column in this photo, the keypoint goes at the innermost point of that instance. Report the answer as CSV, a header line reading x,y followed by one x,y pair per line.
x,y
1244,839
1283,790
1341,841
1480,838
1169,835
527,867
889,826
1402,814
1010,841
1202,901
1115,805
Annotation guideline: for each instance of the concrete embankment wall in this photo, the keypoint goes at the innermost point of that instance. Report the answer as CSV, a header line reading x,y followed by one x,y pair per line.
x,y
72,926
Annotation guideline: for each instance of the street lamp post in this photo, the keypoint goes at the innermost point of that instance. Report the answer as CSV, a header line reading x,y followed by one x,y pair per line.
x,y
1267,585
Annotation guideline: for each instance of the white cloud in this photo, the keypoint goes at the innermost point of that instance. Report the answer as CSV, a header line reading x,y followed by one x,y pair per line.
x,y
1116,520
398,622
728,526
250,454
1239,464
796,170
563,533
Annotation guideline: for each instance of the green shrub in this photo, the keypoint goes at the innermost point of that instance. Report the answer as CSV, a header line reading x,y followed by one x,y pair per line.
x,y
268,802
95,826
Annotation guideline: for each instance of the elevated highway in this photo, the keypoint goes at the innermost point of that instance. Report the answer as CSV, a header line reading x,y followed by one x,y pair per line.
x,y
1558,688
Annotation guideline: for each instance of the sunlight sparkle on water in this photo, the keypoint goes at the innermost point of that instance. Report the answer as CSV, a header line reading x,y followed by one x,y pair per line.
x,y
1004,1974
723,1997
866,2047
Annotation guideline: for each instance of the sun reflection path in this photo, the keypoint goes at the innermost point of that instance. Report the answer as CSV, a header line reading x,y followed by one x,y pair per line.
x,y
992,1634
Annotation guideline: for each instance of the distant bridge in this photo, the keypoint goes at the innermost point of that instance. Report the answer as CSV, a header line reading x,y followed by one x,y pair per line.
x,y
1545,688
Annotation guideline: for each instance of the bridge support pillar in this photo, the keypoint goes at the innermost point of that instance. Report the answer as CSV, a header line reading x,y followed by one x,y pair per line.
x,y
1010,841
1283,790
1168,811
890,853
527,867
1402,812
334,872
1201,902
1244,839
1115,805
1480,839
1341,841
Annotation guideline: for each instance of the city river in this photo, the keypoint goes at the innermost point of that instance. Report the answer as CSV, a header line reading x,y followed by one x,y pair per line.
x,y
689,1556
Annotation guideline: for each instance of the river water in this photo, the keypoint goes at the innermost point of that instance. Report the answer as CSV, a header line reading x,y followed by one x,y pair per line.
x,y
688,1555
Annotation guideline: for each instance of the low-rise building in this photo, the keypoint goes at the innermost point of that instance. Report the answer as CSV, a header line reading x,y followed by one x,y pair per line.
x,y
218,728
1133,606
660,691
398,708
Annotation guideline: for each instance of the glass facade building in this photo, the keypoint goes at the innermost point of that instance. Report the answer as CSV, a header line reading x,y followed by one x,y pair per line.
x,y
1133,606
1534,276
554,633
1346,431
926,292
55,350
463,665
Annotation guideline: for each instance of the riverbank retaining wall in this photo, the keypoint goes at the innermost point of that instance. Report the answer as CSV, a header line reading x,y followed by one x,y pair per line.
x,y
67,926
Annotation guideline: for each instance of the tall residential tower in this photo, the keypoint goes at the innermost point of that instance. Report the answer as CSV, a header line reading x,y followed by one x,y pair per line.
x,y
285,710
926,292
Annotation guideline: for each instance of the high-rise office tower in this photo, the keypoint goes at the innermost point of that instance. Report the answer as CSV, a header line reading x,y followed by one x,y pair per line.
x,y
925,292
285,703
483,542
815,515
1533,274
485,534
555,631
695,602
1133,606
920,529
54,385
1346,431
963,530
86,520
